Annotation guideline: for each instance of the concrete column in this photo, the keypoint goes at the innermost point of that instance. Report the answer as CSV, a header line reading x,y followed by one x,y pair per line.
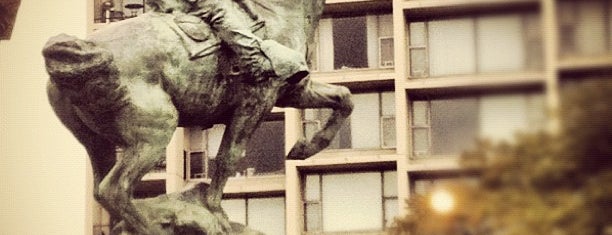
x,y
550,35
293,127
401,103
174,162
294,207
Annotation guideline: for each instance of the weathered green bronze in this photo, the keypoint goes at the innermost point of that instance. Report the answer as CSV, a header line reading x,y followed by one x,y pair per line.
x,y
132,83
8,12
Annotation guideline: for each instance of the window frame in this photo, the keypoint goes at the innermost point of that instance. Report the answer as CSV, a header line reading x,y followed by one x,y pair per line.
x,y
319,202
426,126
207,157
381,63
426,73
206,167
247,198
424,47
569,22
531,98
383,145
316,64
126,13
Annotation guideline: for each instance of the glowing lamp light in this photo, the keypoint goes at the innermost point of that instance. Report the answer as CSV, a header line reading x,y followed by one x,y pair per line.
x,y
442,201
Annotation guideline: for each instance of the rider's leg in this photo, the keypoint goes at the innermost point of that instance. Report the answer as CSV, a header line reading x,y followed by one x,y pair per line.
x,y
257,57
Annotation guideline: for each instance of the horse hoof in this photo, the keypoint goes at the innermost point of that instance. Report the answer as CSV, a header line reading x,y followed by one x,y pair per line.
x,y
298,152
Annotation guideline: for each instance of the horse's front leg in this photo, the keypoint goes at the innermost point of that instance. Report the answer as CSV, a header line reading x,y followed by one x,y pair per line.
x,y
237,132
312,94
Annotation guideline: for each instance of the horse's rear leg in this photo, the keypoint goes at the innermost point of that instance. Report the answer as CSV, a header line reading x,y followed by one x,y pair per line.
x,y
117,188
101,151
146,131
318,95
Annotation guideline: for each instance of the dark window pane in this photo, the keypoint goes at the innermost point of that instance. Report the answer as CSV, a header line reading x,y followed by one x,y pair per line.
x,y
350,42
266,149
196,165
149,188
454,124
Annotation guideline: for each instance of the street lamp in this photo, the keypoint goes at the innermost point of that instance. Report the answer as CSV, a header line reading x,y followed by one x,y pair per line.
x,y
442,201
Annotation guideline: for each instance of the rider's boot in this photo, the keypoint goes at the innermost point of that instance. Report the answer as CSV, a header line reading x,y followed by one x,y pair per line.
x,y
261,58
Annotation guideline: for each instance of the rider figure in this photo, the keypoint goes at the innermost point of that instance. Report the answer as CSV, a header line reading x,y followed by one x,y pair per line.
x,y
261,58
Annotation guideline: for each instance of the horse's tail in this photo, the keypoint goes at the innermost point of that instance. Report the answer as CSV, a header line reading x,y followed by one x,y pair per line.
x,y
71,62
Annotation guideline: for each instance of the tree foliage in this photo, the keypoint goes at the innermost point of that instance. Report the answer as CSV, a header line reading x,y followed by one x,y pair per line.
x,y
541,183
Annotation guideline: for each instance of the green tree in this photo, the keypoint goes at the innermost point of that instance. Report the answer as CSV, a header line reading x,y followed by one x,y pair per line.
x,y
540,183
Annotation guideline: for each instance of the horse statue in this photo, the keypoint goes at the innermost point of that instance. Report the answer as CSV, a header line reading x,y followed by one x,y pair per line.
x,y
130,84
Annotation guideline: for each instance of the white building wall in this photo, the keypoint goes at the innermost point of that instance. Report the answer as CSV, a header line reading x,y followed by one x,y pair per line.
x,y
42,167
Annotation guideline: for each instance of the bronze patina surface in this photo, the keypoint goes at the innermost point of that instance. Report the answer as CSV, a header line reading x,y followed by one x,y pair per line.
x,y
132,83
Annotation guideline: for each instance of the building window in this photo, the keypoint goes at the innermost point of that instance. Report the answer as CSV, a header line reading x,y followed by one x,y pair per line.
x,y
201,151
474,45
266,215
585,27
106,11
264,151
350,43
330,198
425,184
354,42
386,52
448,126
371,125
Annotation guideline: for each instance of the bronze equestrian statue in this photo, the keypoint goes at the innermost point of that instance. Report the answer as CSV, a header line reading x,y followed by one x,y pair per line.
x,y
132,83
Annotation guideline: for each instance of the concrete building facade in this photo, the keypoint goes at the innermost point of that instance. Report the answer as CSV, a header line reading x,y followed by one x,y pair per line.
x,y
429,78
